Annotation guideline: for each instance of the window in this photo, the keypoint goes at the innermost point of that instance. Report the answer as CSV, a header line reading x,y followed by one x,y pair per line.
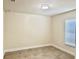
x,y
70,32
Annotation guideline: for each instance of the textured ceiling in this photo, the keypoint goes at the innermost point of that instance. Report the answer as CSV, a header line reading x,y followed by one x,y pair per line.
x,y
33,6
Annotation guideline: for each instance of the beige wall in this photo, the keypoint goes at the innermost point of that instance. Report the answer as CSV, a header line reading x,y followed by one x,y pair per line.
x,y
58,30
27,30
24,30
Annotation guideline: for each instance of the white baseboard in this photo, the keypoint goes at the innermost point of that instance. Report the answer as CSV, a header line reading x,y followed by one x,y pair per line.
x,y
62,49
16,49
70,44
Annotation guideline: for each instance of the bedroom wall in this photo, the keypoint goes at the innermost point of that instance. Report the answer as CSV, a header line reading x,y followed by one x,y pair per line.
x,y
58,31
25,30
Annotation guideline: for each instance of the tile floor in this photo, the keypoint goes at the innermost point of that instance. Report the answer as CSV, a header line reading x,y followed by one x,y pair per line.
x,y
47,52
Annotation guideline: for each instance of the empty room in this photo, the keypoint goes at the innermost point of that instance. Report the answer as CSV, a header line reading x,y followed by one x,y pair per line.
x,y
39,29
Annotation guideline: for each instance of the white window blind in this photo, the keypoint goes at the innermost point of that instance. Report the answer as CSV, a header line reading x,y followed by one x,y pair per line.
x,y
70,32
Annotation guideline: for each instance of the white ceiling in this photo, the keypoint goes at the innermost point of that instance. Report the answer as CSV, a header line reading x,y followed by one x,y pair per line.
x,y
33,6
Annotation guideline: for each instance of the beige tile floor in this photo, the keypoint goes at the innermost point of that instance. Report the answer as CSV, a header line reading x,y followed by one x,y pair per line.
x,y
47,52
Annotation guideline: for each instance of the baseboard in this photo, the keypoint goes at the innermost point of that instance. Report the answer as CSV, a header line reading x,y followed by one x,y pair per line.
x,y
16,49
62,49
70,44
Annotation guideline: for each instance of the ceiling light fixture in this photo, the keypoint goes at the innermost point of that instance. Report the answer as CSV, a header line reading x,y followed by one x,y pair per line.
x,y
44,6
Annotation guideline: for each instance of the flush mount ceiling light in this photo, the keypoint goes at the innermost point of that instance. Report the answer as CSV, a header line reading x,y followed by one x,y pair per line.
x,y
44,6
